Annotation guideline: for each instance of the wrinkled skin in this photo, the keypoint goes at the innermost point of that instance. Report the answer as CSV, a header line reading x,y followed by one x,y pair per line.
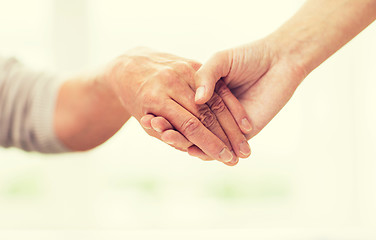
x,y
159,84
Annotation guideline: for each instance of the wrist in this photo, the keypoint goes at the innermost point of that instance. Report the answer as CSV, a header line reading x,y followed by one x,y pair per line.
x,y
295,51
87,112
122,76
317,32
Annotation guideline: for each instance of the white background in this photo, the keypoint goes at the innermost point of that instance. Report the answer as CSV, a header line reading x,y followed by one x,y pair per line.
x,y
313,166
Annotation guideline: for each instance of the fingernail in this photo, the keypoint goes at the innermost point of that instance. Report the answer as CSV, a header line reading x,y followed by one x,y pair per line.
x,y
200,93
246,125
234,158
244,148
225,155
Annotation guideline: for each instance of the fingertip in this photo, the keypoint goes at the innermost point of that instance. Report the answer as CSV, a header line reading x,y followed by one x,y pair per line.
x,y
204,90
233,163
200,94
175,139
160,124
246,126
245,149
194,151
145,121
203,94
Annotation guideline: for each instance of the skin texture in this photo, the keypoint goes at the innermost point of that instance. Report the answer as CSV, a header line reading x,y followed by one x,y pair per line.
x,y
91,108
264,75
84,115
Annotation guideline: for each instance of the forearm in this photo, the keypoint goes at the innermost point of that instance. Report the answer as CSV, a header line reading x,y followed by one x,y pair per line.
x,y
320,28
87,113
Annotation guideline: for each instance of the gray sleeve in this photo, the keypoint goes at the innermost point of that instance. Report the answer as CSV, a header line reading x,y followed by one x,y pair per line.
x,y
27,105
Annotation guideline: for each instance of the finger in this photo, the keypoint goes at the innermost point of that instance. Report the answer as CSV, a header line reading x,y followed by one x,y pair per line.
x,y
175,139
235,107
169,135
184,96
194,151
178,141
160,124
153,133
230,127
157,135
215,68
148,120
145,121
195,131
218,119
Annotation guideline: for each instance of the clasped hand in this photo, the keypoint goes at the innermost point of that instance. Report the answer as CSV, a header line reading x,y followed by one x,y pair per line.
x,y
158,89
205,110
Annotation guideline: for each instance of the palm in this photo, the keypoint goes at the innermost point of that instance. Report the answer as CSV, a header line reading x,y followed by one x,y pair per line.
x,y
262,83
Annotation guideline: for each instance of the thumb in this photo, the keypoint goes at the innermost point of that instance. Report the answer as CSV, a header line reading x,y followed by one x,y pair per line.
x,y
206,77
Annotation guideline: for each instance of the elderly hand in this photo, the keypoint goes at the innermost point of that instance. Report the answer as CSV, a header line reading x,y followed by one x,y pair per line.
x,y
159,84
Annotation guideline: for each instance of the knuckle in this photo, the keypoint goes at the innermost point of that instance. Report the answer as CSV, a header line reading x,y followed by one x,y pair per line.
x,y
216,104
190,126
206,116
149,97
151,101
168,75
222,89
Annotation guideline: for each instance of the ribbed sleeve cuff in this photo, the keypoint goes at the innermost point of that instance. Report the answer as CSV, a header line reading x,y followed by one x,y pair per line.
x,y
28,101
45,97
